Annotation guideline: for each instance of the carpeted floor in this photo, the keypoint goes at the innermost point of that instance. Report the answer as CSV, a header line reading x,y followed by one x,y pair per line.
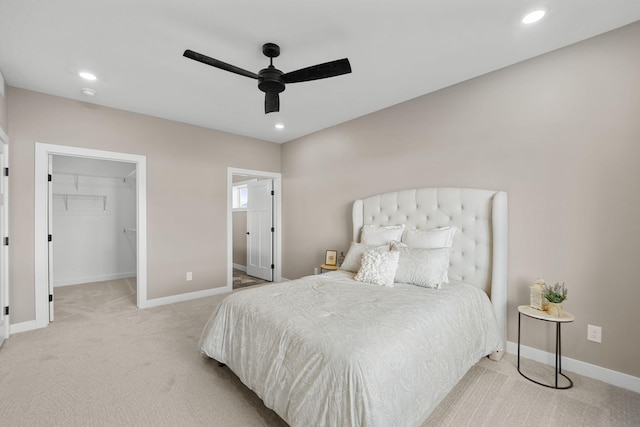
x,y
103,362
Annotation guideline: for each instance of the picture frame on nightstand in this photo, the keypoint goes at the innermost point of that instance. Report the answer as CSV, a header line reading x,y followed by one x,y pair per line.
x,y
331,257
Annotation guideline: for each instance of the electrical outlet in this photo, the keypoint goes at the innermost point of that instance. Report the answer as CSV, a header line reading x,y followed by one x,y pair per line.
x,y
594,333
189,276
315,270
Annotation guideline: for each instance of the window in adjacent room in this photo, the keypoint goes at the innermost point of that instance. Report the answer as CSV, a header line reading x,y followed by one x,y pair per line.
x,y
239,195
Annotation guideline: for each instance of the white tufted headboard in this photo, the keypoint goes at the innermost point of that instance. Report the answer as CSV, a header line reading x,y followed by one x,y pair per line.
x,y
479,253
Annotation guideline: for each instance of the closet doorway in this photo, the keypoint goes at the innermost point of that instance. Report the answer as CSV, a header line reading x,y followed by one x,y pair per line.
x,y
92,213
254,227
82,203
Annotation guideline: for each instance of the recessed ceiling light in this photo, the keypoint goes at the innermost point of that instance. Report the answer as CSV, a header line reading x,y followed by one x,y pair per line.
x,y
87,75
534,16
279,126
88,92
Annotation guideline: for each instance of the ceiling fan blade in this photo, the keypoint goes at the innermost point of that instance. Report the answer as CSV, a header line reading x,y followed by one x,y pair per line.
x,y
218,64
320,71
271,102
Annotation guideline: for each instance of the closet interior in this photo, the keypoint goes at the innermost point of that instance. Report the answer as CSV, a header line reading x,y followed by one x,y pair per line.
x,y
93,213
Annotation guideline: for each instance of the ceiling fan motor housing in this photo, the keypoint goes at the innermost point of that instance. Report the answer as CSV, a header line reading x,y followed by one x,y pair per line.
x,y
270,80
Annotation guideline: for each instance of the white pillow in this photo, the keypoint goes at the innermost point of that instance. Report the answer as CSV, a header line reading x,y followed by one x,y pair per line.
x,y
429,239
354,255
380,235
422,267
378,268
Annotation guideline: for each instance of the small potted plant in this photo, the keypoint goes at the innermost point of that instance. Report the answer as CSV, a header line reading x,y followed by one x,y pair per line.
x,y
555,294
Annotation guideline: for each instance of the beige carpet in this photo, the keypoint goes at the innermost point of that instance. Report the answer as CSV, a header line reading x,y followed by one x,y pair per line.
x,y
103,362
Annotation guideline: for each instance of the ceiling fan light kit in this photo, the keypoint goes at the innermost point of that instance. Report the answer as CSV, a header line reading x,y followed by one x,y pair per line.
x,y
272,81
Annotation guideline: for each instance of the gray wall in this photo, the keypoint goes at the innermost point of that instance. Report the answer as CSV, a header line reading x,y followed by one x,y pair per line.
x,y
186,187
560,133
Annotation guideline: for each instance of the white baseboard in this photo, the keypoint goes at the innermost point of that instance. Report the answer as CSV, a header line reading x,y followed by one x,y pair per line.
x,y
30,325
16,328
240,267
186,297
93,279
608,376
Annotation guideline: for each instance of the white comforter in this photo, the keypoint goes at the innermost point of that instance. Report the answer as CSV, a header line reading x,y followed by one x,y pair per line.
x,y
329,351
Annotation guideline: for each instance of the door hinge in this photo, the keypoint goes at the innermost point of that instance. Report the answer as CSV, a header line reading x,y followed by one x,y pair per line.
x,y
50,297
273,193
50,238
6,241
273,266
6,311
273,229
49,177
6,171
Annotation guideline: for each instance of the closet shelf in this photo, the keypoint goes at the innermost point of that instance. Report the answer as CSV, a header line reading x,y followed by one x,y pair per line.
x,y
65,197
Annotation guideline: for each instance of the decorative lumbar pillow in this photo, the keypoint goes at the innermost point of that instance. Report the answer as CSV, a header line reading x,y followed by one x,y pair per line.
x,y
380,235
354,255
378,268
429,239
422,267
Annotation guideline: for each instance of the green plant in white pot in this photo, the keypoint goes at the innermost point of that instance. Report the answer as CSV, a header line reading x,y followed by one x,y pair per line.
x,y
555,294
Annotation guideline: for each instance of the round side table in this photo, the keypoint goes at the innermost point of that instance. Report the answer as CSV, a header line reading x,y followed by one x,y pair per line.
x,y
328,268
566,317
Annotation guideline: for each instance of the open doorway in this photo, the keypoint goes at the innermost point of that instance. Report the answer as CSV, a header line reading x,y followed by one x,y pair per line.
x,y
254,227
93,227
43,167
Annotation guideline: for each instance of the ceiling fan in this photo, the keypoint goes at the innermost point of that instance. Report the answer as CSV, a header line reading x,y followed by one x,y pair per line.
x,y
271,80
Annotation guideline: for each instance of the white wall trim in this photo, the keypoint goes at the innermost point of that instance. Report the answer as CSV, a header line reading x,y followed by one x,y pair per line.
x,y
240,267
5,231
186,297
42,151
29,325
156,302
608,376
277,215
93,279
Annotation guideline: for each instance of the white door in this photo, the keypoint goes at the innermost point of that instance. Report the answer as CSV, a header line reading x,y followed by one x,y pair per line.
x,y
50,233
4,248
260,229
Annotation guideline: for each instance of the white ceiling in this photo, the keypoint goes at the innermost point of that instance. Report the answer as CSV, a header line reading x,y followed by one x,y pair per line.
x,y
398,50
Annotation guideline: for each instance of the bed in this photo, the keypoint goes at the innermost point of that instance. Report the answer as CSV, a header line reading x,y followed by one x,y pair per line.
x,y
336,350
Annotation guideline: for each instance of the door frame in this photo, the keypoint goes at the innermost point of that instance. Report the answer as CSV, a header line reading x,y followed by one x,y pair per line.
x,y
41,253
277,220
4,232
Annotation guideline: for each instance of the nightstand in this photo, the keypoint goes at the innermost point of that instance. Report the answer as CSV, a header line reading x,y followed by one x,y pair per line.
x,y
328,268
566,317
